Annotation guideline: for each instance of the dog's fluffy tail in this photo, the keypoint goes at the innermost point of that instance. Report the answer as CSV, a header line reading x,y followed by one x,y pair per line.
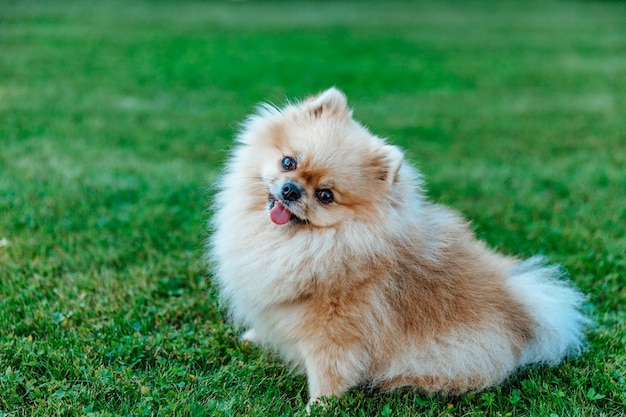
x,y
555,306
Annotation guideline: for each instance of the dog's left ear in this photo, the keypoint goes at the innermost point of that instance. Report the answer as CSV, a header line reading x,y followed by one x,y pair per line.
x,y
393,158
330,102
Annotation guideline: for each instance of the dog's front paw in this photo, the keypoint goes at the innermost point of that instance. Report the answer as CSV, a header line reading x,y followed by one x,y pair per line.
x,y
251,337
315,402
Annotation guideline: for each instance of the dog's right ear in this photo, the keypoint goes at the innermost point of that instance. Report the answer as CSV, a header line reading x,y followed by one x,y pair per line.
x,y
330,102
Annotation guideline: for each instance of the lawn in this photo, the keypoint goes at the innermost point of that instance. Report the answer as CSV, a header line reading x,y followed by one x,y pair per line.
x,y
115,117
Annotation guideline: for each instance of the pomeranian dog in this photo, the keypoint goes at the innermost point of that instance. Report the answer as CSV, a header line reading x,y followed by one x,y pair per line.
x,y
327,252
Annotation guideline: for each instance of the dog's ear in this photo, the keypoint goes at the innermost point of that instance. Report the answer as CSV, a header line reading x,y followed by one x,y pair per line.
x,y
393,159
330,102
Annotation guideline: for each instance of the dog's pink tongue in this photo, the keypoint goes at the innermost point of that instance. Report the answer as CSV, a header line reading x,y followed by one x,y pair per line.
x,y
279,213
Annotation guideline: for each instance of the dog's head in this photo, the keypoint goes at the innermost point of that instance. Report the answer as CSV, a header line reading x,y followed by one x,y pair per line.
x,y
317,165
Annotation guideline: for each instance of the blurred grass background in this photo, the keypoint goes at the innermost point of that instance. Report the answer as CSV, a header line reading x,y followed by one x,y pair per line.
x,y
115,117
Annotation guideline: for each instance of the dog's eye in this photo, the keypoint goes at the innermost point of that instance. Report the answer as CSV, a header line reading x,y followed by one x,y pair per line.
x,y
325,196
288,163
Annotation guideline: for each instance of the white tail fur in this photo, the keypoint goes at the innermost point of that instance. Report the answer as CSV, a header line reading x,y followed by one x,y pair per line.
x,y
555,307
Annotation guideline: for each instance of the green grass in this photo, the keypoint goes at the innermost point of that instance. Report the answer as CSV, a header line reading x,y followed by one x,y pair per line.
x,y
115,118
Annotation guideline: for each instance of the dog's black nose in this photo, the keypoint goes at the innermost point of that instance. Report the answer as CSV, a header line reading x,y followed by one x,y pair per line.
x,y
290,192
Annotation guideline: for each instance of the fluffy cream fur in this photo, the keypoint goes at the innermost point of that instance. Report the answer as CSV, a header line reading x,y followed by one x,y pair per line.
x,y
374,285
